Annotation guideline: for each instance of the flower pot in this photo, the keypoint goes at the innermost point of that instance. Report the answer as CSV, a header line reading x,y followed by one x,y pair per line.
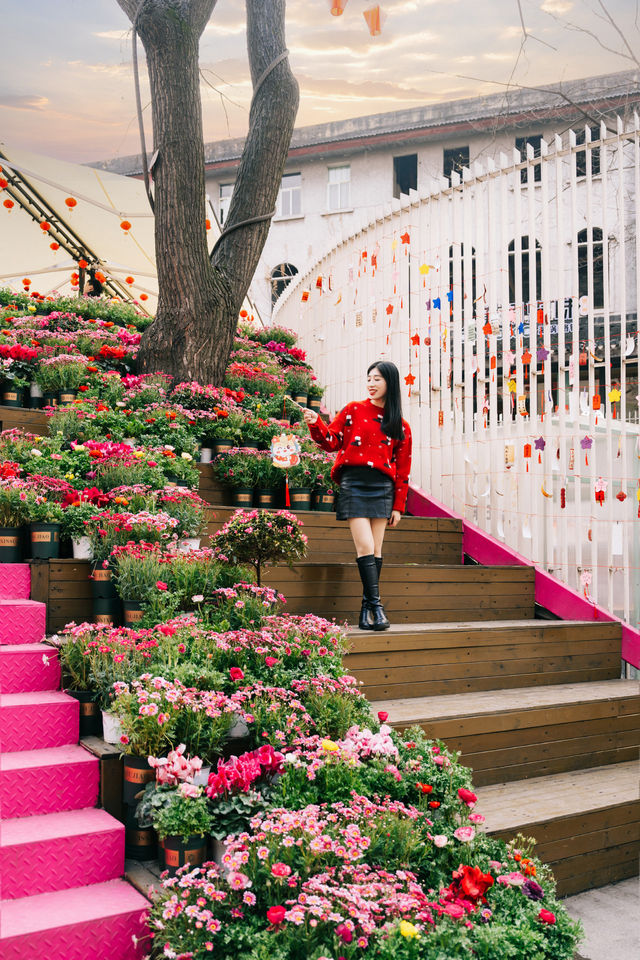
x,y
132,612
265,497
323,500
242,496
66,397
238,728
111,727
10,544
300,398
217,850
45,541
206,454
102,583
250,445
35,396
140,843
300,498
136,775
12,396
201,778
189,543
222,446
82,549
90,720
177,853
314,403
106,610
50,399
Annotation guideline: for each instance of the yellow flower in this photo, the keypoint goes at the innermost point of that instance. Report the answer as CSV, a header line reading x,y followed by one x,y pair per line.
x,y
330,746
69,476
138,454
408,930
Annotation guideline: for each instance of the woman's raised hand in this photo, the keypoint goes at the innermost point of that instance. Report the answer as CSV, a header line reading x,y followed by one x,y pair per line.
x,y
310,416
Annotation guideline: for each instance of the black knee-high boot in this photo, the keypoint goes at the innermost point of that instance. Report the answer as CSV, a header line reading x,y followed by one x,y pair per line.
x,y
368,569
366,619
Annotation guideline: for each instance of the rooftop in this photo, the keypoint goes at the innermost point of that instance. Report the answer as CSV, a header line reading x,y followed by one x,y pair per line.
x,y
587,100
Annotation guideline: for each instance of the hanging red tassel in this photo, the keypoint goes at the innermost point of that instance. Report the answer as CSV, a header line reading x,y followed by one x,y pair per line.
x,y
539,458
563,498
287,498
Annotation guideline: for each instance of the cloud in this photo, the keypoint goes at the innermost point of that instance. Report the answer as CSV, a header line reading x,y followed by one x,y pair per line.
x,y
557,6
112,34
23,101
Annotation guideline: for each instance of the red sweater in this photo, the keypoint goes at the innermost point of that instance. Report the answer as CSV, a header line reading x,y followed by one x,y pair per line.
x,y
357,436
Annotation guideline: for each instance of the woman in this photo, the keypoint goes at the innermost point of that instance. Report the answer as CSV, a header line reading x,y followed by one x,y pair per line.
x,y
372,466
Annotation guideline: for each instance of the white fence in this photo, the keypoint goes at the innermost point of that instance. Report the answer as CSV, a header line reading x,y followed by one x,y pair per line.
x,y
508,299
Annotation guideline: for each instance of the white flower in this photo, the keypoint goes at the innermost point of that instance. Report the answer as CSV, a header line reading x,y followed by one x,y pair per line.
x,y
168,446
36,453
198,598
186,456
120,403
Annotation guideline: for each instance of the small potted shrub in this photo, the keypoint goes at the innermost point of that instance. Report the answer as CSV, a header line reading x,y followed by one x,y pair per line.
x,y
238,469
60,377
314,396
46,519
74,528
183,825
14,513
298,383
259,537
14,390
189,509
78,670
302,480
224,433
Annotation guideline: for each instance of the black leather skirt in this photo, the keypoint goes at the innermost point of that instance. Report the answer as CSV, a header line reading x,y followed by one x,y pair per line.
x,y
364,492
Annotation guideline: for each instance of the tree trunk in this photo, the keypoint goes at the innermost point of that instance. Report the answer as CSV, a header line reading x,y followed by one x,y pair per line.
x,y
199,300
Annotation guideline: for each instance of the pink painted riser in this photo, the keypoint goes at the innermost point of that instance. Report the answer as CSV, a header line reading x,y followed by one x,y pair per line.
x,y
22,621
31,721
23,668
59,851
15,581
549,592
88,923
46,781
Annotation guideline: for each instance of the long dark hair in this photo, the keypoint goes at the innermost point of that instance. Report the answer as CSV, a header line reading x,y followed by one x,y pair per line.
x,y
392,420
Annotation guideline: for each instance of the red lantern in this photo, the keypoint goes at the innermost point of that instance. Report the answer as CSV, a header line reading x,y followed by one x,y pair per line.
x,y
83,264
243,314
125,225
621,496
71,202
129,280
319,282
26,282
305,296
54,245
44,226
527,453
582,359
7,203
373,16
143,296
596,401
3,183
100,277
337,7
440,418
563,498
207,224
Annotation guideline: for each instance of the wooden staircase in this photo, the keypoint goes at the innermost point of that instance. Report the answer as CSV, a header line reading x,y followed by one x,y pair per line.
x,y
536,707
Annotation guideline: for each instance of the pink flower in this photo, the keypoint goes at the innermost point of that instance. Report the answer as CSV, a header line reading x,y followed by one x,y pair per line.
x,y
276,915
383,716
236,674
467,796
454,910
271,661
280,870
160,585
189,790
545,916
440,840
464,834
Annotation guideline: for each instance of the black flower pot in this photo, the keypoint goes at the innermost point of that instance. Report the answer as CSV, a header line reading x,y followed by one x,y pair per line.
x,y
12,396
300,498
106,610
265,497
136,775
50,399
10,544
314,404
323,500
177,853
102,585
132,612
300,398
242,496
66,397
222,446
45,541
90,717
140,843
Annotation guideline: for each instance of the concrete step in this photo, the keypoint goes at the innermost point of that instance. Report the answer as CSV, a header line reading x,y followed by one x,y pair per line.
x,y
586,822
514,734
15,581
33,721
47,781
96,922
58,851
431,659
22,621
29,667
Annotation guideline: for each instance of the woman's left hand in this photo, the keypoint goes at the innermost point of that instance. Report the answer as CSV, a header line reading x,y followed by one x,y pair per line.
x,y
395,518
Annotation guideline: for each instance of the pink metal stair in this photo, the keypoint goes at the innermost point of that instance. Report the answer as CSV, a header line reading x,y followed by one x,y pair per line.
x,y
61,859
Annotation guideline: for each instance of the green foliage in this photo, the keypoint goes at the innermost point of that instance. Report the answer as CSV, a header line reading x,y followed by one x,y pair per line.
x,y
183,817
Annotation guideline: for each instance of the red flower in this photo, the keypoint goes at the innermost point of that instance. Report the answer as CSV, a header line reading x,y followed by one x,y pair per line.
x,y
472,883
425,787
467,796
434,804
383,716
276,915
271,661
236,673
344,932
545,916
280,870
160,585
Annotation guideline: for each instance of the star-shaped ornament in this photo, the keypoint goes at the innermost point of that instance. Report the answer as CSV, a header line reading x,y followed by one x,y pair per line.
x,y
389,308
540,443
405,238
415,340
409,379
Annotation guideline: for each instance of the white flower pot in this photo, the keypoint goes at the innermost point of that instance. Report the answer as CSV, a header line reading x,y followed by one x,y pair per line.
x,y
202,777
189,543
82,549
111,728
206,455
218,850
35,390
238,729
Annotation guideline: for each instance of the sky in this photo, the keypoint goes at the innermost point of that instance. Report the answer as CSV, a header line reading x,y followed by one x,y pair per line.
x,y
66,80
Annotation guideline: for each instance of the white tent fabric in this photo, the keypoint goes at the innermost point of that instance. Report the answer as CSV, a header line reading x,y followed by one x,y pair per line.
x,y
104,201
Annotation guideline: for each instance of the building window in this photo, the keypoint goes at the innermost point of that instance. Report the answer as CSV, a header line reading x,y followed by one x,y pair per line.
x,y
290,196
226,189
456,252
339,188
405,174
280,278
583,156
454,161
521,147
596,294
524,294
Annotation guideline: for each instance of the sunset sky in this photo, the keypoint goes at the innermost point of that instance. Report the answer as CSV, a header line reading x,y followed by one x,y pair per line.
x,y
66,86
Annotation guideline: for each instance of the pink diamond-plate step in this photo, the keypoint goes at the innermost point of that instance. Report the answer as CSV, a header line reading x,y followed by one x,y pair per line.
x,y
15,581
29,666
31,721
46,781
22,621
87,923
57,851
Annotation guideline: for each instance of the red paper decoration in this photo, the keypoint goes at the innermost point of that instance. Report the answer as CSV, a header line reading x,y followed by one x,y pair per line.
x,y
71,202
582,359
54,245
336,7
143,296
319,282
207,224
440,418
45,226
129,280
7,203
125,225
83,264
596,401
621,496
305,296
3,183
563,498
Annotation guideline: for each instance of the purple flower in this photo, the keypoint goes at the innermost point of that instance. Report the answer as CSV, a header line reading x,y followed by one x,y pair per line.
x,y
532,890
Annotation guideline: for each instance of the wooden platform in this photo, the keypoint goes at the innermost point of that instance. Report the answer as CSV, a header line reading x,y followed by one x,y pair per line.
x,y
586,822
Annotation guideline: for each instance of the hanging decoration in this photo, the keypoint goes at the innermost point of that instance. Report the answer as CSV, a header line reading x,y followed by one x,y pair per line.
x,y
586,443
8,204
336,7
125,225
600,490
545,493
71,202
563,497
54,245
285,453
373,17
621,495
614,397
305,296
130,280
45,226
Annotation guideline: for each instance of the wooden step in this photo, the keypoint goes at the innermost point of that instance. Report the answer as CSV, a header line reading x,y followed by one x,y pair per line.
x,y
410,592
586,822
429,659
429,540
514,734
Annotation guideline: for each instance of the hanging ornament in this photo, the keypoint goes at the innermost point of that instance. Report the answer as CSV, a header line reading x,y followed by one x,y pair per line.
x,y
614,397
83,264
596,402
545,493
527,454
207,224
125,225
129,280
600,490
509,455
572,458
336,7
563,498
409,380
54,245
586,443
621,496
305,296
405,237
3,183
143,296
440,418
45,226
71,202
8,204
373,17
582,358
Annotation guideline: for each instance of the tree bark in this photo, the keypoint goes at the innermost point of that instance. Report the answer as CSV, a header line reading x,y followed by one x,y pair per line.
x,y
199,299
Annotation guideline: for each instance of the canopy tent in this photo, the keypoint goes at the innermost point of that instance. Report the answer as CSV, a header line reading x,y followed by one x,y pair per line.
x,y
103,218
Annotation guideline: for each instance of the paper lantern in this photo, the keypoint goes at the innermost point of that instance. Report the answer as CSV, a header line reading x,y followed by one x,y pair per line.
x,y
305,296
100,277
243,314
336,7
54,245
45,226
125,225
319,282
207,224
143,296
582,358
373,16
71,202
7,203
596,401
129,280
83,264
26,282
3,183
440,418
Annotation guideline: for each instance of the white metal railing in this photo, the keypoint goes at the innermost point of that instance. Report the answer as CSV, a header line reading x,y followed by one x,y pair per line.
x,y
509,300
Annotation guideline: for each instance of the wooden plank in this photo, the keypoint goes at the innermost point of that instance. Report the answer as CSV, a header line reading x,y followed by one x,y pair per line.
x,y
398,573
31,421
597,877
79,570
615,835
586,822
553,766
40,572
70,590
